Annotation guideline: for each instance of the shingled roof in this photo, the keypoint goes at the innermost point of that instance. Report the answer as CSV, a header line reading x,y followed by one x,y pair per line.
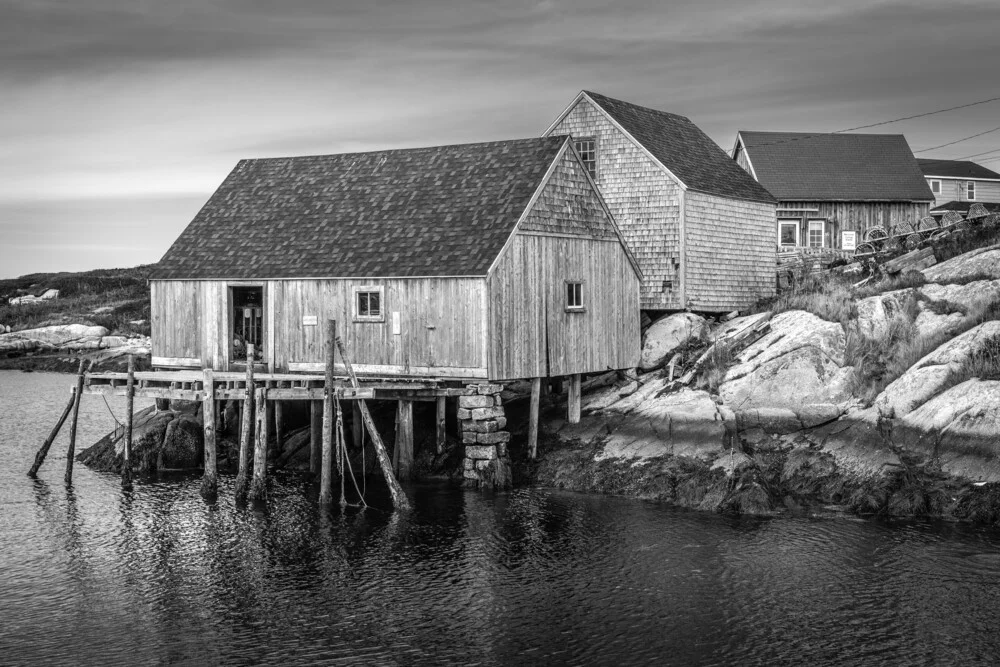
x,y
836,167
681,146
956,169
441,211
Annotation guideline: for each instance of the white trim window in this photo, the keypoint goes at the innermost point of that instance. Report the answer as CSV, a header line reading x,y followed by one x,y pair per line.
x,y
970,191
587,148
935,186
369,303
817,233
788,233
574,296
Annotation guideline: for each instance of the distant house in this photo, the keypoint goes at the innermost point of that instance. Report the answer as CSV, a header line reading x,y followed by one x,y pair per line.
x,y
960,181
832,187
700,228
492,260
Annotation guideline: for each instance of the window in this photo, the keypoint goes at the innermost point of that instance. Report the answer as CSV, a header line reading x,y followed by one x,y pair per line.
x,y
368,306
817,229
970,190
788,233
574,295
936,187
587,148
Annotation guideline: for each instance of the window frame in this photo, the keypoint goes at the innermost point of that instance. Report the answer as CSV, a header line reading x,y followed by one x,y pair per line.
x,y
822,233
368,289
576,146
582,307
795,223
970,186
937,182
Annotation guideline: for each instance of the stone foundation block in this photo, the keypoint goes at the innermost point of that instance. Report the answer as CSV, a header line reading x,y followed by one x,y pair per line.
x,y
468,464
501,449
470,474
489,389
475,401
482,465
480,414
464,414
493,438
469,438
481,452
488,426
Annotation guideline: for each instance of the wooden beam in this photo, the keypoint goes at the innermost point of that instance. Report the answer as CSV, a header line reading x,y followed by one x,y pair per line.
x,y
279,425
209,480
129,420
573,399
403,453
44,449
315,436
536,393
258,486
442,417
326,472
357,426
246,430
71,453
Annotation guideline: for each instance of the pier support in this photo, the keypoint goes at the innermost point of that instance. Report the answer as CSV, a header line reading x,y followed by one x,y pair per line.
x,y
403,452
246,429
442,417
326,470
279,424
258,486
44,449
485,437
536,391
71,452
129,419
573,399
209,480
315,436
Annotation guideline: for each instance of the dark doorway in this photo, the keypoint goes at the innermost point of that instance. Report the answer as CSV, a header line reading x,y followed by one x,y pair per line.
x,y
248,322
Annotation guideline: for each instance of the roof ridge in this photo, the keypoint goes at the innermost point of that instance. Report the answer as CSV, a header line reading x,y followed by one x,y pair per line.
x,y
591,94
471,144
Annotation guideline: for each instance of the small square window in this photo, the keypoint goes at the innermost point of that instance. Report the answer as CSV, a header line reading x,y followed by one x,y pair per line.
x,y
970,190
788,233
574,295
936,187
817,229
368,305
587,148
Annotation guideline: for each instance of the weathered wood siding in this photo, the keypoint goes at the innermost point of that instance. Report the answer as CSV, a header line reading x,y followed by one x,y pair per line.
x,y
566,236
742,160
953,189
847,216
731,258
187,321
645,201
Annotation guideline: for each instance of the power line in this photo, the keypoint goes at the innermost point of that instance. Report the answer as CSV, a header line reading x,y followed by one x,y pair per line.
x,y
993,150
957,141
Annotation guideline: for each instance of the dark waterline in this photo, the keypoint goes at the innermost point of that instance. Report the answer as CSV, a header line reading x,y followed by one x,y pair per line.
x,y
94,575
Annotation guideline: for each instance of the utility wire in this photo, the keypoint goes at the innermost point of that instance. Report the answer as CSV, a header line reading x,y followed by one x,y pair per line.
x,y
994,150
957,141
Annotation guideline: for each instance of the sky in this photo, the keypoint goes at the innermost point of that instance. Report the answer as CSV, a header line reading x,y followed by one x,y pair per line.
x,y
119,119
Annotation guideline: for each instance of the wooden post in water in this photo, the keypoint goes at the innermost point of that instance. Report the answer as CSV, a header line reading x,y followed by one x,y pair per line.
x,y
442,413
129,416
326,468
536,392
258,486
404,439
44,450
279,424
72,426
209,481
246,430
573,399
315,436
357,427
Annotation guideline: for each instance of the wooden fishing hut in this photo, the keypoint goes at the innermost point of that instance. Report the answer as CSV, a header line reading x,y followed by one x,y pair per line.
x,y
448,271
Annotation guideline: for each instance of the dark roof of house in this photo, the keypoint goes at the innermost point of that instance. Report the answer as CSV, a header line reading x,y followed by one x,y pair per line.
x,y
836,167
684,149
955,169
441,211
963,207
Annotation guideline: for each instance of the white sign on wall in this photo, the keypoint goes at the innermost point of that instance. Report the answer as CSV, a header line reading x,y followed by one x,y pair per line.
x,y
309,320
848,240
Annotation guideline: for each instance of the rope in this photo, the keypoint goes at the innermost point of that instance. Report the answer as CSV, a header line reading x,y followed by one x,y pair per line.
x,y
108,406
343,440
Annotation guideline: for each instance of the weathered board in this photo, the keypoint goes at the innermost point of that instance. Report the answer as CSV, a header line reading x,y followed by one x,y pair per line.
x,y
842,216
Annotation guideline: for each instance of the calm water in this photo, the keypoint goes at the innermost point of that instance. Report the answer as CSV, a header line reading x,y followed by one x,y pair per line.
x,y
93,575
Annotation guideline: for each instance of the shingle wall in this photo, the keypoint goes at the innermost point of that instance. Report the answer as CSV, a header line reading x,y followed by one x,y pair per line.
x,y
643,199
568,204
731,258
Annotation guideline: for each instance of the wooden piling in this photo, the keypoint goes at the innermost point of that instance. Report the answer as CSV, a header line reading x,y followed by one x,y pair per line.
x,y
209,480
326,470
315,436
404,439
71,452
573,397
357,427
536,393
44,450
442,413
246,429
129,418
399,499
258,486
279,424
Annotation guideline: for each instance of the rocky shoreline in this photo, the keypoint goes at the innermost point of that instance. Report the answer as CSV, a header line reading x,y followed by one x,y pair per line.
x,y
60,348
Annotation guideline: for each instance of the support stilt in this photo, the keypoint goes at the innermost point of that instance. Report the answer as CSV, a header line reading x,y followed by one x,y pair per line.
x,y
573,399
442,436
258,486
315,436
357,426
326,471
129,418
279,424
44,450
536,391
246,430
71,453
403,453
209,481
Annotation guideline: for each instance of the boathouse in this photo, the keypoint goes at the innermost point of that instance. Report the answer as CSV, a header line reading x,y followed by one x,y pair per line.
x,y
701,229
832,187
472,262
